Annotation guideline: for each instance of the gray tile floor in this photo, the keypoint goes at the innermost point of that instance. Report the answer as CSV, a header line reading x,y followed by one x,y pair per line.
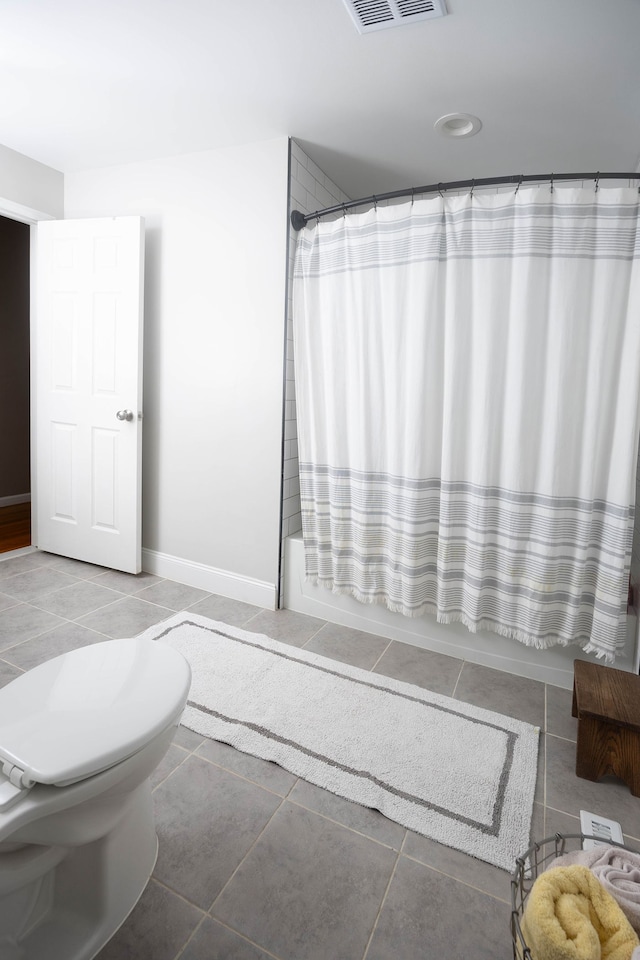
x,y
254,863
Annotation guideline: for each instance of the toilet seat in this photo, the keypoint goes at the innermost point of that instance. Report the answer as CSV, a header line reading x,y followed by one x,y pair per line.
x,y
84,711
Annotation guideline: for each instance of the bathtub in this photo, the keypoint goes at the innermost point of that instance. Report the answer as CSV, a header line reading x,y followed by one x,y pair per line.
x,y
554,666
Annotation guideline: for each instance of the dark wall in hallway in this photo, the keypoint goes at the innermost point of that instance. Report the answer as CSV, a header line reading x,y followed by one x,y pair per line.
x,y
14,358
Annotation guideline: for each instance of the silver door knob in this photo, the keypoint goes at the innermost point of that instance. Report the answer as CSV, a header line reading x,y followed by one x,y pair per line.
x,y
124,415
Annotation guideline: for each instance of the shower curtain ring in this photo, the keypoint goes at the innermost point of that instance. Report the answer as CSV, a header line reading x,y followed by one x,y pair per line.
x,y
597,181
519,184
473,183
375,202
551,178
344,210
440,190
412,189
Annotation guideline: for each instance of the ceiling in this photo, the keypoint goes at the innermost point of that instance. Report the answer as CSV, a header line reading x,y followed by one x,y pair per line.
x,y
556,83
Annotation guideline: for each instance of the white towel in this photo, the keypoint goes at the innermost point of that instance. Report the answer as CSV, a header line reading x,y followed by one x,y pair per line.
x,y
618,871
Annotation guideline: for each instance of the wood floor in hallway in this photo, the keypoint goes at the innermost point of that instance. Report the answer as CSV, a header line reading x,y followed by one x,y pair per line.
x,y
15,527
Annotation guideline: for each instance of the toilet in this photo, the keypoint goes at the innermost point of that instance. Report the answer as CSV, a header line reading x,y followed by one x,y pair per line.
x,y
80,736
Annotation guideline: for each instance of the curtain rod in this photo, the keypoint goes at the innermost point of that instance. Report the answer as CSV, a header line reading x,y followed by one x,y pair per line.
x,y
299,220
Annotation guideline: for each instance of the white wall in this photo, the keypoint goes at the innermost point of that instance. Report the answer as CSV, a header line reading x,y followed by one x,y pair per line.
x,y
216,234
28,186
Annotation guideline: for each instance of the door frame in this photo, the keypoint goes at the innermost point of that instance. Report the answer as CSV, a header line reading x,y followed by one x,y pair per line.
x,y
11,210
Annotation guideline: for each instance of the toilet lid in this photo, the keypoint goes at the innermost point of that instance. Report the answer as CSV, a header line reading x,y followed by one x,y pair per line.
x,y
86,710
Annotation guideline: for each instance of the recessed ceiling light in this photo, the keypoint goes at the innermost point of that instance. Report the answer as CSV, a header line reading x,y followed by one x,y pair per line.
x,y
458,125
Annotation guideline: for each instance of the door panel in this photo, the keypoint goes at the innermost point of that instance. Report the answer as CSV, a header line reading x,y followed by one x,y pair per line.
x,y
88,367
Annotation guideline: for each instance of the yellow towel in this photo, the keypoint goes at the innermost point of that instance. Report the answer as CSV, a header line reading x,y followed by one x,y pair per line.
x,y
570,916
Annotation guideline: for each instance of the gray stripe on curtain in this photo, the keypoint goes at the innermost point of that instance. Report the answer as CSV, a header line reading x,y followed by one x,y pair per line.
x,y
538,230
567,573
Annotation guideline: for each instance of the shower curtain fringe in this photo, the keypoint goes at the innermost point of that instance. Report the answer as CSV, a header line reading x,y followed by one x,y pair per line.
x,y
299,220
474,626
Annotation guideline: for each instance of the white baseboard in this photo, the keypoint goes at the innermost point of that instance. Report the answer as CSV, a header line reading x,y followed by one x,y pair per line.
x,y
222,582
16,498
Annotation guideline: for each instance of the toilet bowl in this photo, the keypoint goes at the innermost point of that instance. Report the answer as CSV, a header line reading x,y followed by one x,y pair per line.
x,y
80,736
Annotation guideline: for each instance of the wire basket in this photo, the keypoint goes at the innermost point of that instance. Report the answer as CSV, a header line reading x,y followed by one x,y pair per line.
x,y
528,867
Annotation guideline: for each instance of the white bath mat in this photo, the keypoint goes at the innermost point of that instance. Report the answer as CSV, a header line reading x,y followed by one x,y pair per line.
x,y
458,774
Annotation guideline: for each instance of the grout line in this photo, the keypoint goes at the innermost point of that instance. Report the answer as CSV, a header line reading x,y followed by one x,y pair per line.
x,y
157,603
118,593
179,896
242,936
292,787
455,686
430,866
86,613
339,823
121,598
176,893
252,617
46,593
10,605
30,568
240,776
382,903
35,636
565,812
189,609
244,623
251,848
381,655
313,635
557,736
173,769
184,946
287,796
465,883
84,626
63,620
8,663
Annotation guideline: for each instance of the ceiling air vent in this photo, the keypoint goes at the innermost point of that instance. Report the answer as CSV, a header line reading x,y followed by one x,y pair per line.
x,y
371,15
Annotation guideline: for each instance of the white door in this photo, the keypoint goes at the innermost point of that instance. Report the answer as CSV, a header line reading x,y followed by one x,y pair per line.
x,y
88,390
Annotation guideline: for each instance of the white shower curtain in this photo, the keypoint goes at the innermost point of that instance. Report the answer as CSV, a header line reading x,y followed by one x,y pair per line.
x,y
468,383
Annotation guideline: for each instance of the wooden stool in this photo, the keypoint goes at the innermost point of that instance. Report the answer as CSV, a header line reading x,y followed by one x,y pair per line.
x,y
607,705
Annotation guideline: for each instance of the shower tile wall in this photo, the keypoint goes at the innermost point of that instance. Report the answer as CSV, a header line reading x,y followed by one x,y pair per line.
x,y
310,190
